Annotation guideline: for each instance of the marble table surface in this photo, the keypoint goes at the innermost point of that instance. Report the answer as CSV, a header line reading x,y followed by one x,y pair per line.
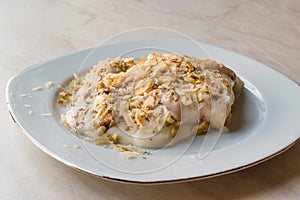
x,y
34,31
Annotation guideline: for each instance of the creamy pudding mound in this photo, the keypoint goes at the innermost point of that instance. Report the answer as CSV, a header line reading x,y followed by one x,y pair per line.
x,y
145,102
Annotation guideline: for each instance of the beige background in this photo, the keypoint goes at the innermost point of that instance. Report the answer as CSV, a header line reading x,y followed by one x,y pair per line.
x,y
33,31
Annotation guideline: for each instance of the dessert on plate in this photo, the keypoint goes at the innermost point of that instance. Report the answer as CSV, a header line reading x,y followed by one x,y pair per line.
x,y
145,102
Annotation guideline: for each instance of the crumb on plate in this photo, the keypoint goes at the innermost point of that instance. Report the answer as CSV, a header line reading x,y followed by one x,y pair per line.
x,y
46,114
49,84
38,88
24,95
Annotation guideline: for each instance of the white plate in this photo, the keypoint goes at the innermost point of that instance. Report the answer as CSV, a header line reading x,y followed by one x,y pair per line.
x,y
265,122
